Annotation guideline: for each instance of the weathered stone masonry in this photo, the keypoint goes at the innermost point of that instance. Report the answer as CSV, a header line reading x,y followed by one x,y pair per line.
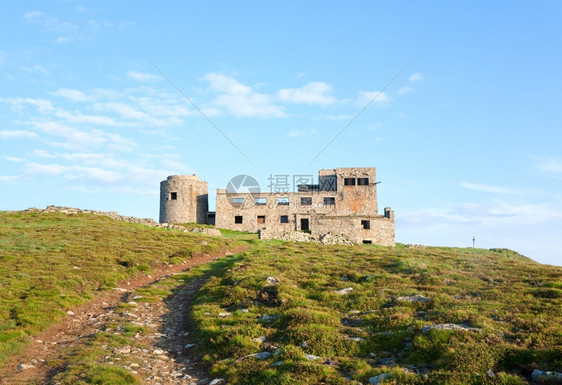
x,y
343,203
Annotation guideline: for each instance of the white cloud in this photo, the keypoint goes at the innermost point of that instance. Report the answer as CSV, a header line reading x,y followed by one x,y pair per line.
x,y
241,100
552,167
36,68
48,22
488,188
404,90
16,134
366,97
71,94
19,103
416,77
142,77
312,93
15,159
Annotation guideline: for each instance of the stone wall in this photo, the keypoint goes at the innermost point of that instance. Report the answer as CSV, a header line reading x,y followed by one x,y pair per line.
x,y
114,215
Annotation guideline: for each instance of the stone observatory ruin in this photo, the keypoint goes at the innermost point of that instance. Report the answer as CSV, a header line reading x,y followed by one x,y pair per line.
x,y
341,208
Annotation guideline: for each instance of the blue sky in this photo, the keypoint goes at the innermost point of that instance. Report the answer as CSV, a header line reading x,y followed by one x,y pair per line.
x,y
466,141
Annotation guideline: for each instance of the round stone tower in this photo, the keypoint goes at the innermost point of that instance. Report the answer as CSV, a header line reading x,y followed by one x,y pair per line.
x,y
183,199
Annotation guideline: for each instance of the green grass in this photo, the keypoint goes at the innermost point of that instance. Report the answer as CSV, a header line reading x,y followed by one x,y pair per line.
x,y
515,302
50,263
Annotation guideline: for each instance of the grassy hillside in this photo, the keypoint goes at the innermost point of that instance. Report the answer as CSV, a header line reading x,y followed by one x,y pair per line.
x,y
285,302
50,263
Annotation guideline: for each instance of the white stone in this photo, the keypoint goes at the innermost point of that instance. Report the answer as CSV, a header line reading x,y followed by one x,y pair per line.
x,y
464,328
216,381
344,291
70,312
546,376
158,352
378,379
22,367
413,298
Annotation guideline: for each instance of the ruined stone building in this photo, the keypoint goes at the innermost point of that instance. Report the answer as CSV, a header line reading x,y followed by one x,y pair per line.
x,y
343,203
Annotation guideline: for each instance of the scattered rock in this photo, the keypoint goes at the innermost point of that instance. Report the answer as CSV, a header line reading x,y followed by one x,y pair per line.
x,y
311,357
158,352
22,367
463,328
224,315
188,346
378,379
262,355
272,281
546,376
124,350
216,381
413,298
347,290
70,312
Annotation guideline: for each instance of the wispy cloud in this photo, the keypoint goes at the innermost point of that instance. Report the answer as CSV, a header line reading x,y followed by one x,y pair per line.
x,y
365,97
241,100
490,189
416,77
552,167
404,90
318,93
48,22
143,77
71,94
17,134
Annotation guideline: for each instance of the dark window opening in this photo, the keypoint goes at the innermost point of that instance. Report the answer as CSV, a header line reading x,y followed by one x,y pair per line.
x,y
261,201
366,224
362,181
283,201
304,224
349,181
306,201
237,201
238,219
173,196
284,219
367,242
261,219
329,201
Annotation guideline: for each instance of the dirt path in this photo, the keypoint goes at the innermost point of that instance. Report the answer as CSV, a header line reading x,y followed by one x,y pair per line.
x,y
163,359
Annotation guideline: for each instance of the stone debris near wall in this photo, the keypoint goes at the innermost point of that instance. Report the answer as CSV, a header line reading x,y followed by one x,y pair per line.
x,y
114,215
300,236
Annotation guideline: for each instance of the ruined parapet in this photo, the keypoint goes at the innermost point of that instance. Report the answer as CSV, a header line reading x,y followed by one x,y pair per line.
x,y
183,199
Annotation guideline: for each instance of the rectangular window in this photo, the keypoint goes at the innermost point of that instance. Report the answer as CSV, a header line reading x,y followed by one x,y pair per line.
x,y
349,181
238,219
284,219
173,196
306,201
282,201
261,219
367,242
261,201
362,181
329,201
366,224
237,201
